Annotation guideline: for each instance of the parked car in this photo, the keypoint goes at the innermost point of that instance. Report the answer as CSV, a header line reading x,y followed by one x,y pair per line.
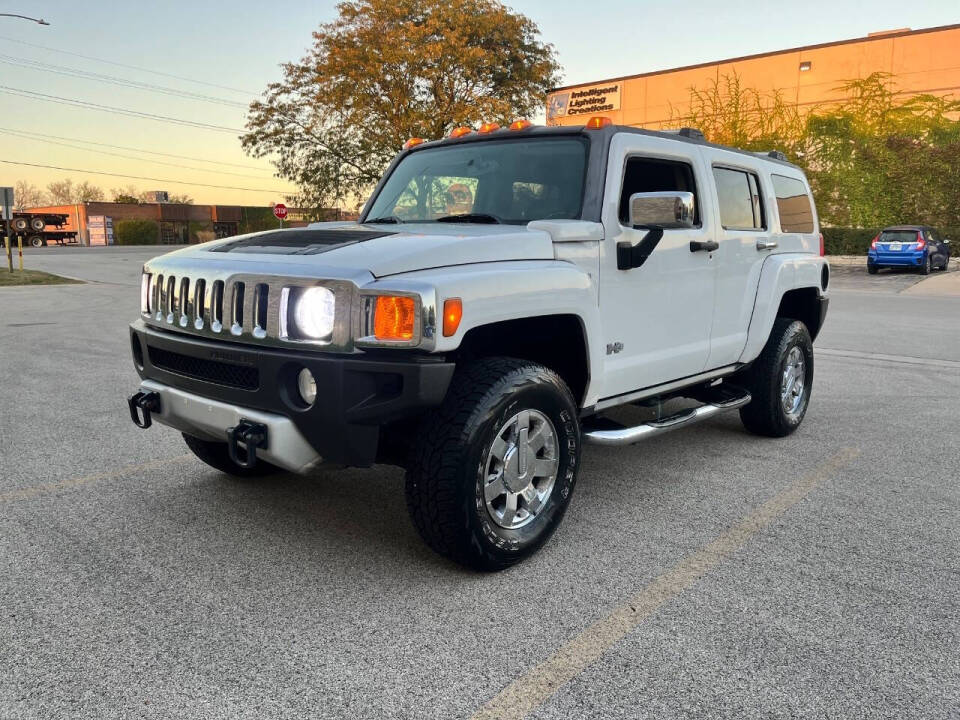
x,y
477,342
916,246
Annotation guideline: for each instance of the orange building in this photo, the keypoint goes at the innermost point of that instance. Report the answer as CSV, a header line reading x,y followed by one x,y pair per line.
x,y
920,61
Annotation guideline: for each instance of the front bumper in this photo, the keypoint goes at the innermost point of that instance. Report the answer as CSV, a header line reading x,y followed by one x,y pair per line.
x,y
209,386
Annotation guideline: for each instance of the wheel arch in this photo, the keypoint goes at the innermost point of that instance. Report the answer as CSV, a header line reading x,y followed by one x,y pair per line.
x,y
557,341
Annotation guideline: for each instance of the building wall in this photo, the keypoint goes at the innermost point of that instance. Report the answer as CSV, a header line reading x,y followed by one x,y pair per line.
x,y
921,61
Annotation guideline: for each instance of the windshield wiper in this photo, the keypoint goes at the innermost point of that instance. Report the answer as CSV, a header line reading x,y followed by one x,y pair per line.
x,y
481,218
386,219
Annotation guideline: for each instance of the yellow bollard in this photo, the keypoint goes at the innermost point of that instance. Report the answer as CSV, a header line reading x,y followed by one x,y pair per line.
x,y
6,242
20,251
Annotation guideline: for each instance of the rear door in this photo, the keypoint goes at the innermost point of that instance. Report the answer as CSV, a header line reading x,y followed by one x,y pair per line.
x,y
742,219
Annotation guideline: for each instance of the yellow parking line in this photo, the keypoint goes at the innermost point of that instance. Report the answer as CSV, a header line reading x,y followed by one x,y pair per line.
x,y
37,490
532,689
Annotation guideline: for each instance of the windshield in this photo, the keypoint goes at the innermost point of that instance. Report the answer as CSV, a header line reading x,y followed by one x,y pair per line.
x,y
513,181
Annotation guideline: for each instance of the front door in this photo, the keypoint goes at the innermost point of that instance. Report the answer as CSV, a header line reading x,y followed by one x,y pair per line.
x,y
657,317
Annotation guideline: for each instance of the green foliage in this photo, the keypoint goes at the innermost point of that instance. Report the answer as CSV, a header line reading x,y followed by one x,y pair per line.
x,y
876,158
257,220
387,70
136,232
200,231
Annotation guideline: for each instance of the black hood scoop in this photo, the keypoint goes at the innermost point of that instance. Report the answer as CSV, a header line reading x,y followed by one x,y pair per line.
x,y
298,242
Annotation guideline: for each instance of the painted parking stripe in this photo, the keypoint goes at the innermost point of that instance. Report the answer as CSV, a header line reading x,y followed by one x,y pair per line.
x,y
47,488
531,690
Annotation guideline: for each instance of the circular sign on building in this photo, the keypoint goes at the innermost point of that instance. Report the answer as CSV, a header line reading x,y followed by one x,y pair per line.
x,y
280,210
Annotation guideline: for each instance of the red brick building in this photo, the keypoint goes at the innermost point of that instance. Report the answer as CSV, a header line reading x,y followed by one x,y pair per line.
x,y
176,223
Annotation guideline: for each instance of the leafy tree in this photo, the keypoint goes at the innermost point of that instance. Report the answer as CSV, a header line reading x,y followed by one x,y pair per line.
x,y
128,194
27,195
87,192
183,199
387,70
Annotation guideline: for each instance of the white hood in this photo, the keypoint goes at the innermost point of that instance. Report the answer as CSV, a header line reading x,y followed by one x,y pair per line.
x,y
381,249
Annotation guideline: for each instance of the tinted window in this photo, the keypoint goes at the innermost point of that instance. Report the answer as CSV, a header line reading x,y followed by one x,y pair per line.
x,y
739,199
515,181
900,236
793,204
650,175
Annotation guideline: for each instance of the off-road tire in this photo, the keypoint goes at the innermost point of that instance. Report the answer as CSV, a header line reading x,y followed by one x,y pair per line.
x,y
216,456
872,269
764,414
446,470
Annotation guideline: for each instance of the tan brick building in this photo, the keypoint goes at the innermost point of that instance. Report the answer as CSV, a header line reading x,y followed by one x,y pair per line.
x,y
920,61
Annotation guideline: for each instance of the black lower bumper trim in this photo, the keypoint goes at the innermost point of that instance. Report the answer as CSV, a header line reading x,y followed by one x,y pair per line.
x,y
356,394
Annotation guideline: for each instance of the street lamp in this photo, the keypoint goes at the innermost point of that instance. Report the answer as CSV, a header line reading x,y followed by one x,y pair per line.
x,y
38,21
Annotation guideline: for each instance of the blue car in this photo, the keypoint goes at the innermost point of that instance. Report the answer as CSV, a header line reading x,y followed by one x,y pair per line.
x,y
915,246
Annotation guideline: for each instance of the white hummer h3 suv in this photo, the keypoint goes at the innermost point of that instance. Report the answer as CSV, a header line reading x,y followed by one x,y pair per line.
x,y
506,295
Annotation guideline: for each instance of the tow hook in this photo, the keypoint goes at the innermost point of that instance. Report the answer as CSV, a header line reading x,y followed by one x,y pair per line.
x,y
252,435
145,403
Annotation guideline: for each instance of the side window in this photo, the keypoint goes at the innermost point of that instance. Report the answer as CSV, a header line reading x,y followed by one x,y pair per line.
x,y
652,175
738,192
793,204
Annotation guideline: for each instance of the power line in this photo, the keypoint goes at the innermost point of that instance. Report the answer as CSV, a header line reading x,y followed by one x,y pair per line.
x,y
115,110
132,149
129,67
140,177
127,157
113,80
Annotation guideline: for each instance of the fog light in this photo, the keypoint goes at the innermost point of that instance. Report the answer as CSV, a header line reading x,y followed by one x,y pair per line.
x,y
307,386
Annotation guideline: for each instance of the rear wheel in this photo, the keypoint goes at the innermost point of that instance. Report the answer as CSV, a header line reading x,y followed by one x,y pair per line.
x,y
36,241
780,381
925,269
492,471
215,455
872,269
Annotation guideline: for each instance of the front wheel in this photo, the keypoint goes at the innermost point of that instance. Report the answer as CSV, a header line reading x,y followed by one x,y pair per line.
x,y
493,470
780,381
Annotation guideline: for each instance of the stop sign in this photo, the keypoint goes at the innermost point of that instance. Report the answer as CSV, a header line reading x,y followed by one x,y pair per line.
x,y
280,210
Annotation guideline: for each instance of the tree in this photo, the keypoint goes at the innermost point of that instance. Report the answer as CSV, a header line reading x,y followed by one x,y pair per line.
x,y
128,194
64,192
182,199
387,70
27,195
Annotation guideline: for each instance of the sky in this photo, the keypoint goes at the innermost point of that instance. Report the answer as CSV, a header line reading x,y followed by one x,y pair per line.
x,y
229,51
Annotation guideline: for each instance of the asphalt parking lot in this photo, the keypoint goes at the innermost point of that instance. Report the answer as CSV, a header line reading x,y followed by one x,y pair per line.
x,y
706,573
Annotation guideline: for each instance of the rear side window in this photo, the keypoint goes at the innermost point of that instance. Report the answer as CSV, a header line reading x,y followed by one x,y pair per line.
x,y
739,196
793,204
653,175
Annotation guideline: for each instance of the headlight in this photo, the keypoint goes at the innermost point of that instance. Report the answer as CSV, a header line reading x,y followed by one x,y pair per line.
x,y
312,314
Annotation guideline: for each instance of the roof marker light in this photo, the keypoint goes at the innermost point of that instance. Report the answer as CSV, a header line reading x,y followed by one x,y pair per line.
x,y
460,131
598,122
488,127
413,142
522,124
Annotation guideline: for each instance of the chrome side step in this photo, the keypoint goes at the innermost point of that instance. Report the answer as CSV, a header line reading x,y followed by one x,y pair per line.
x,y
629,435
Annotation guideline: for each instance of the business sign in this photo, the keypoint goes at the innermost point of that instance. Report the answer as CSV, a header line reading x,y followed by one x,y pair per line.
x,y
590,100
100,230
6,202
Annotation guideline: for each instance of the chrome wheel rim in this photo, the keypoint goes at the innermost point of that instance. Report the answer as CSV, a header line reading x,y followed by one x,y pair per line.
x,y
793,383
521,469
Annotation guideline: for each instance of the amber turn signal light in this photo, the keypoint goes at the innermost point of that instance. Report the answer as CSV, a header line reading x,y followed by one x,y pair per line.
x,y
394,317
452,315
520,124
488,127
598,122
413,142
460,131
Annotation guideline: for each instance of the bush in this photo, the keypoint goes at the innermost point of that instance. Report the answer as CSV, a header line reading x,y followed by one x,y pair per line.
x,y
136,232
856,241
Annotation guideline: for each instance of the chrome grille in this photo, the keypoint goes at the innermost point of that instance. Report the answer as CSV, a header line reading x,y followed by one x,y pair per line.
x,y
236,307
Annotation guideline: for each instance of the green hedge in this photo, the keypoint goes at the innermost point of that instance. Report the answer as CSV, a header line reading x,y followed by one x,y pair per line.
x,y
856,241
136,232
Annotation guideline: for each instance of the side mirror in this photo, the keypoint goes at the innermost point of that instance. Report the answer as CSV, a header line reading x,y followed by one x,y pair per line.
x,y
946,242
654,212
665,210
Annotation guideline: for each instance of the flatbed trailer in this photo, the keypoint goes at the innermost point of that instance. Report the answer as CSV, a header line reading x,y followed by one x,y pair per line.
x,y
41,229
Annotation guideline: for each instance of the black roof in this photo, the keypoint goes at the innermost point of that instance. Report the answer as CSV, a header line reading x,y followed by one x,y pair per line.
x,y
916,228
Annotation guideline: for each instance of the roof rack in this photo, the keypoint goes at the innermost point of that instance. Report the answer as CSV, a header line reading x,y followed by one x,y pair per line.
x,y
775,154
687,132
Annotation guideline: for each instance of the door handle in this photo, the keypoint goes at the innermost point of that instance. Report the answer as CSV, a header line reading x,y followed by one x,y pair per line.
x,y
766,244
708,245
